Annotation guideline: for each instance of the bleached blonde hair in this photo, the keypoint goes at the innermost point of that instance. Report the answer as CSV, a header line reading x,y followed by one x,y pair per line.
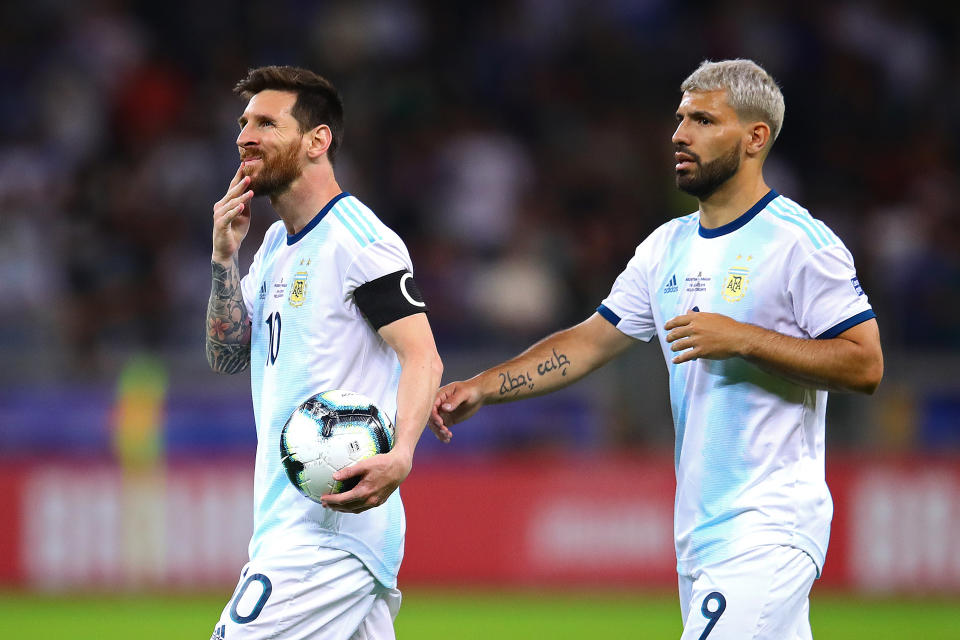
x,y
751,91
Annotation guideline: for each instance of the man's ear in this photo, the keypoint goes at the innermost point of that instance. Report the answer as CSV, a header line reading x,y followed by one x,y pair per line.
x,y
319,141
758,139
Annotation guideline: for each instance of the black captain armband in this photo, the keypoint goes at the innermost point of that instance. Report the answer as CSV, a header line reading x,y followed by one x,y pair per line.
x,y
389,298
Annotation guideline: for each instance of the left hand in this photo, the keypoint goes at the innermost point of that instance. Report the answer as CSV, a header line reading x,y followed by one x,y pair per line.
x,y
379,477
706,335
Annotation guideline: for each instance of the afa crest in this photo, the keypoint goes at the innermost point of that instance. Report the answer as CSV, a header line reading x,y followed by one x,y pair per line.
x,y
298,290
735,286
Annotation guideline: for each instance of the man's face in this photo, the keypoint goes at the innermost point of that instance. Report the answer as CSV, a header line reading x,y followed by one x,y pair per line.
x,y
269,142
707,143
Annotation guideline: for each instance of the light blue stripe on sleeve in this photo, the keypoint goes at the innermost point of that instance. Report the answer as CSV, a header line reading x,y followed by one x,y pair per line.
x,y
829,237
777,212
348,213
363,241
803,217
359,213
791,209
833,238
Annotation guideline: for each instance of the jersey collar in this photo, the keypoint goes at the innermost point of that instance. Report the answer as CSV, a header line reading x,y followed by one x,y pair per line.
x,y
738,222
292,239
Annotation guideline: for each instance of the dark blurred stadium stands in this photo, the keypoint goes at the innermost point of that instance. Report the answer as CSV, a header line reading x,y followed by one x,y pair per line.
x,y
521,148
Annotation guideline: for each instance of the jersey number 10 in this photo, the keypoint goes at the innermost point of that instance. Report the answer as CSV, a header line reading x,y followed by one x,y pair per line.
x,y
273,322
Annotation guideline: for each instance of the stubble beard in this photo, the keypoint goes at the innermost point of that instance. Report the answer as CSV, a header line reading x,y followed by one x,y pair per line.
x,y
709,177
277,174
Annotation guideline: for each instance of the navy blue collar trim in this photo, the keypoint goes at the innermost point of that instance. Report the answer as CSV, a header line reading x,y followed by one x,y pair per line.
x,y
292,239
735,224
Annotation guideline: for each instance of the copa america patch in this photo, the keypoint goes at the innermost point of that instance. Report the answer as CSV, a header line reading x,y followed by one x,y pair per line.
x,y
856,285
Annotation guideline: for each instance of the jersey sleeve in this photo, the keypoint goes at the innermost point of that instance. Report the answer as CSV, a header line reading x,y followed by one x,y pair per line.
x,y
376,260
628,307
380,283
826,294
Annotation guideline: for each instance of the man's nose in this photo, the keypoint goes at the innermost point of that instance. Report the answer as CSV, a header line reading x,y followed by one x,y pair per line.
x,y
680,135
245,138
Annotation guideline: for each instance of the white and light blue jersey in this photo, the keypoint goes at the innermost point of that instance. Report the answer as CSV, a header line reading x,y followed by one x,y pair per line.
x,y
749,452
308,336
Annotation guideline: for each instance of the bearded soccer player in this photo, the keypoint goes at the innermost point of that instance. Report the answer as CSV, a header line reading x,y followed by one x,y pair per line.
x,y
328,303
758,311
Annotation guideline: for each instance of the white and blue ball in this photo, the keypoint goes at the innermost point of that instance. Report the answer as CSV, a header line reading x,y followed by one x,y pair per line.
x,y
330,431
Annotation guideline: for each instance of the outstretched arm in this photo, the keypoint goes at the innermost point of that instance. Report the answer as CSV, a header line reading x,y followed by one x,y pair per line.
x,y
420,371
852,361
551,364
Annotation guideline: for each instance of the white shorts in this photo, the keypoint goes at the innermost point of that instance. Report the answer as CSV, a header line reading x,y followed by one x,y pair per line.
x,y
312,592
760,594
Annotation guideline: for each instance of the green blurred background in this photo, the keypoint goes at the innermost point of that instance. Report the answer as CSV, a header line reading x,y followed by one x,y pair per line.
x,y
474,615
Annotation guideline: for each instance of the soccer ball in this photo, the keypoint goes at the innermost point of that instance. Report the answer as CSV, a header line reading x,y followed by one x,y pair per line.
x,y
330,431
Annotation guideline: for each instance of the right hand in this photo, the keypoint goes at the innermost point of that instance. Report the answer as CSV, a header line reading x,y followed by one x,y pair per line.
x,y
455,403
231,218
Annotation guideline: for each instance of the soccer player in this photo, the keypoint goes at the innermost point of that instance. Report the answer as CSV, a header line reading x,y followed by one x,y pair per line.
x,y
758,312
328,303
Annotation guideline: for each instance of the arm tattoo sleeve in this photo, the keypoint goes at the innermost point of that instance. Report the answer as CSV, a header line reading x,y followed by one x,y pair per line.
x,y
228,326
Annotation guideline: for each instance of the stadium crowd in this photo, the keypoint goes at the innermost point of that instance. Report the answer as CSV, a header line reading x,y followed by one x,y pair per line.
x,y
521,148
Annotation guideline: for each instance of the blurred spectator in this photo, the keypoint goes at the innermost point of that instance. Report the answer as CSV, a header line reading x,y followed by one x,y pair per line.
x,y
523,147
480,179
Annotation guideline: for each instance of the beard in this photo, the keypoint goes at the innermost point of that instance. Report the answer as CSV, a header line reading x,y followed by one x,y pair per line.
x,y
277,172
707,178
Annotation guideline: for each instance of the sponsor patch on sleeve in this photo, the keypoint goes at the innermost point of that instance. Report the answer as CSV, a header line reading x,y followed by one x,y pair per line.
x,y
856,285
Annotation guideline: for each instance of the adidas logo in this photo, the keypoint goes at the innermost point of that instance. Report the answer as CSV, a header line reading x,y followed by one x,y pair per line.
x,y
263,290
220,633
671,286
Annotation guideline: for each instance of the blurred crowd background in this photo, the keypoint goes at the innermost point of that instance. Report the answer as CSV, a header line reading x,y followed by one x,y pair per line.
x,y
522,149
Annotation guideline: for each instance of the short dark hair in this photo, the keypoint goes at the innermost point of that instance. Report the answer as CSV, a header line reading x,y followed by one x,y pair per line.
x,y
318,101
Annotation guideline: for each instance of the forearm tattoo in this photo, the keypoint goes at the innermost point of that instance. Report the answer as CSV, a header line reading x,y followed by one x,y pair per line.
x,y
228,326
512,382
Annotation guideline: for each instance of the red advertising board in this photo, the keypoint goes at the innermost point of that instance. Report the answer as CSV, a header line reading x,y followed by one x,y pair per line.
x,y
895,526
547,521
72,526
10,525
